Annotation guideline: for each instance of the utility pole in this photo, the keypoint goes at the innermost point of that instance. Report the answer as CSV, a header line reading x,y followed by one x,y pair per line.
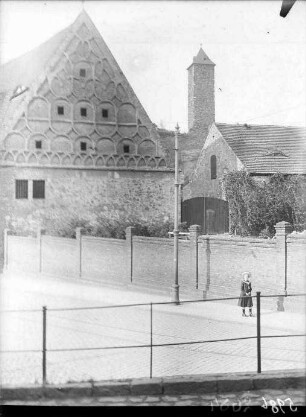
x,y
175,287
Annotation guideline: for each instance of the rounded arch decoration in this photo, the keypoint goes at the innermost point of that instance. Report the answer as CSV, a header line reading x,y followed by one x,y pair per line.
x,y
106,146
38,108
14,141
147,147
126,146
61,144
127,113
32,142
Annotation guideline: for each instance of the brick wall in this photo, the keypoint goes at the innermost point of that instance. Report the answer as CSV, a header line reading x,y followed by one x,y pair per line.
x,y
209,266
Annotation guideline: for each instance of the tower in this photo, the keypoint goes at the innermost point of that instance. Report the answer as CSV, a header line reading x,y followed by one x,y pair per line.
x,y
201,92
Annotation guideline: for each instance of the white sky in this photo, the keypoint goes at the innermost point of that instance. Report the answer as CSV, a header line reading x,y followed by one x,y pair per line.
x,y
260,57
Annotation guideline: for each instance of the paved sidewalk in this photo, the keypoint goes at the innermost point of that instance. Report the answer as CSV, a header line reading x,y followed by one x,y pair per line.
x,y
80,343
90,294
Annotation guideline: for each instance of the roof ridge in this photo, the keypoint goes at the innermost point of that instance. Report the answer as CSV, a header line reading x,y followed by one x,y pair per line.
x,y
36,48
260,125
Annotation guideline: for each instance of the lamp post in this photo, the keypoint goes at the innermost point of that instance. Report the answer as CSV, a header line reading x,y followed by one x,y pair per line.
x,y
175,287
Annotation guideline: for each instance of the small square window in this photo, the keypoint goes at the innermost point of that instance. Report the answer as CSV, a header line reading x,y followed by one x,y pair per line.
x,y
38,144
38,189
83,111
21,189
105,113
83,146
82,72
60,110
126,148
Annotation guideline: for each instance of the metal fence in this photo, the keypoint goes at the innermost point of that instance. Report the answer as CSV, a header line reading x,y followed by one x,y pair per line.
x,y
147,339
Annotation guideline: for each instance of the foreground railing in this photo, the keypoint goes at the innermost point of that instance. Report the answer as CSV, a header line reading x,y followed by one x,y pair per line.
x,y
132,326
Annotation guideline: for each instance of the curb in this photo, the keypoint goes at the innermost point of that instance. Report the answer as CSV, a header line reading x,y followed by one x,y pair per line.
x,y
175,385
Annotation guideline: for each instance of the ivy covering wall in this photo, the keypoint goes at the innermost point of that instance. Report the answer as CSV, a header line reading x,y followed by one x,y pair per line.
x,y
257,204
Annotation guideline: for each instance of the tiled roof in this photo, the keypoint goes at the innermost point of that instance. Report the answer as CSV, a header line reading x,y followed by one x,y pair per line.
x,y
22,72
26,68
266,149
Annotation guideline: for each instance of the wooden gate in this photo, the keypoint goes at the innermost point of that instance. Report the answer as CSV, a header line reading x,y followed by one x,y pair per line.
x,y
209,213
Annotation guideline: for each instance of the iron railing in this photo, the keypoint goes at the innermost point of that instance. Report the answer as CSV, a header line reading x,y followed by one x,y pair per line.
x,y
44,351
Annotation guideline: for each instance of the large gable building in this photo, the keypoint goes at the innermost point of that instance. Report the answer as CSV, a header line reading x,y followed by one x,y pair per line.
x,y
74,138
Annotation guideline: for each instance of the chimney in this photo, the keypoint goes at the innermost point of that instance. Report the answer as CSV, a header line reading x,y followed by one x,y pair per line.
x,y
201,92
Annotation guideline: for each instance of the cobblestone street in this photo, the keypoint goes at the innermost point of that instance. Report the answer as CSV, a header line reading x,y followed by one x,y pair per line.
x,y
99,329
234,400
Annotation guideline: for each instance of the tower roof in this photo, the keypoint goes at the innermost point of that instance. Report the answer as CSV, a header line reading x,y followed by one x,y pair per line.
x,y
201,58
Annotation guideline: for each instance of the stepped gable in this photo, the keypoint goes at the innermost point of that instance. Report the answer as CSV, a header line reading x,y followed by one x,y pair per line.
x,y
70,95
266,149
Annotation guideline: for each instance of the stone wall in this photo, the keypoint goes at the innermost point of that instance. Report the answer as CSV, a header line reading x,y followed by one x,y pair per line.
x,y
201,95
82,194
201,184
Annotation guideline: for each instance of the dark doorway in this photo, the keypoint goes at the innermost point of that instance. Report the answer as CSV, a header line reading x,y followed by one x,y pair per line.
x,y
209,213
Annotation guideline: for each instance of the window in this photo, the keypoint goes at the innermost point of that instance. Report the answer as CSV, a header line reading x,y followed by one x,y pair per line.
x,y
126,148
38,189
213,167
83,112
105,113
82,72
21,188
83,146
60,110
38,144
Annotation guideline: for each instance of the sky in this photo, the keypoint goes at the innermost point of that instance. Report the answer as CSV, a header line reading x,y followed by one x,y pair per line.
x,y
260,57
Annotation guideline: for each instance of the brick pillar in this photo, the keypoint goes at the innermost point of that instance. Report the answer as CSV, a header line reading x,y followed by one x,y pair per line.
x,y
129,252
282,230
78,236
194,234
40,233
5,249
206,244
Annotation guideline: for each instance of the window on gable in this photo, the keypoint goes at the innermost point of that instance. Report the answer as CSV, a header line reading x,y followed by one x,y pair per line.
x,y
82,72
83,146
213,167
38,144
126,148
104,113
60,110
38,189
83,111
21,189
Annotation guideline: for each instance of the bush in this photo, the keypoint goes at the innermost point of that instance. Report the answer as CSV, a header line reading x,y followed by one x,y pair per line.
x,y
256,207
105,226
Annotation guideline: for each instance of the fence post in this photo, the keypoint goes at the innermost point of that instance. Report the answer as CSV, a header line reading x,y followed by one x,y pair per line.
x,y
78,236
40,232
44,347
208,253
258,333
129,246
282,230
5,248
194,234
151,340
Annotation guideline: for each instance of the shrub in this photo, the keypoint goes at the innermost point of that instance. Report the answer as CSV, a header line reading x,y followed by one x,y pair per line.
x,y
256,207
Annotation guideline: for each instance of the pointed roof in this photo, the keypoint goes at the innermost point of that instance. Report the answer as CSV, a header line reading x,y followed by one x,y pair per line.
x,y
24,69
28,70
201,58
